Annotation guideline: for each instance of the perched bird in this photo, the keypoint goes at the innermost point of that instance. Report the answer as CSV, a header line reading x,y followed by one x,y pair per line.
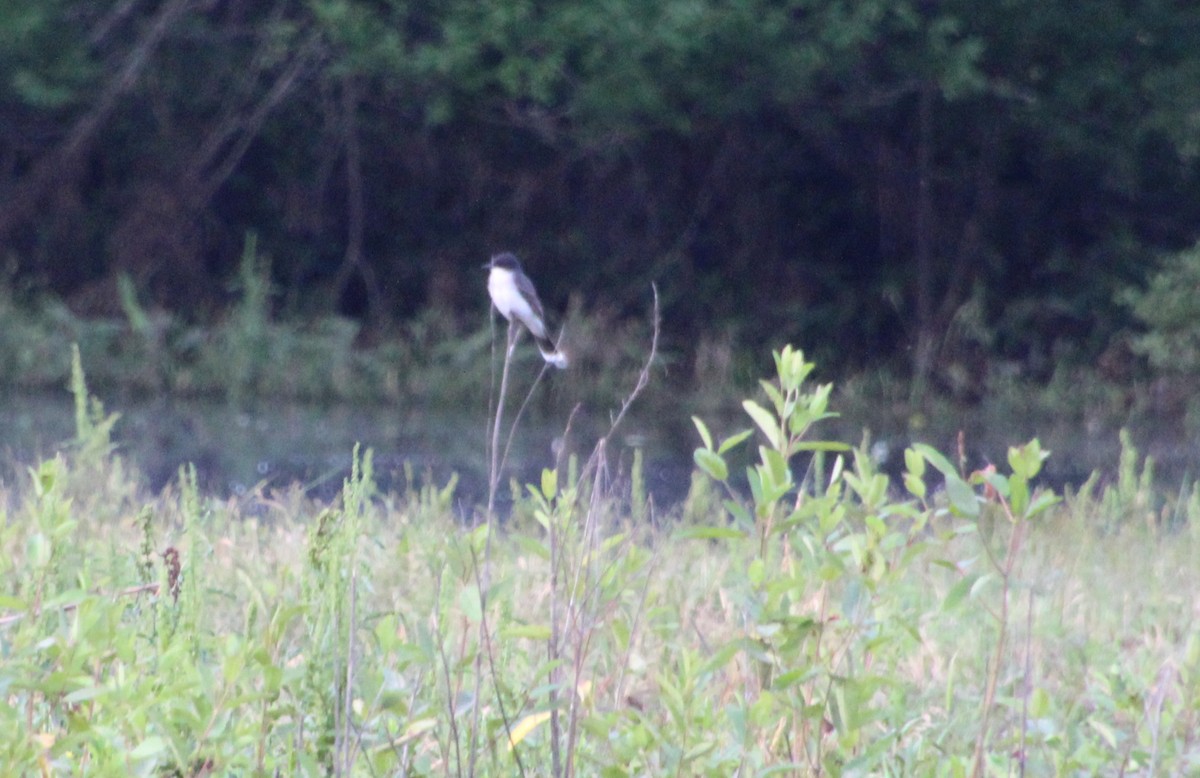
x,y
514,296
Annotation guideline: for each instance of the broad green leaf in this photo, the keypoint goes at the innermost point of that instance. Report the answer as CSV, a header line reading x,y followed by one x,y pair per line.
x,y
755,482
1039,703
822,445
711,533
704,433
781,477
963,499
829,518
529,631
739,513
733,440
935,458
996,480
1041,502
90,692
711,463
774,394
1026,461
150,747
959,591
525,726
915,485
549,483
755,572
531,545
766,422
721,657
470,604
1105,731
914,462
983,580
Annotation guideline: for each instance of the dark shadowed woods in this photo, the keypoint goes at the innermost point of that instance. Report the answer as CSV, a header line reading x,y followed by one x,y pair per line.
x,y
933,186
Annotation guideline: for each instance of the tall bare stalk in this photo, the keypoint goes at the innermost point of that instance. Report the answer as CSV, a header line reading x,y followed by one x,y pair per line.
x,y
1005,569
578,594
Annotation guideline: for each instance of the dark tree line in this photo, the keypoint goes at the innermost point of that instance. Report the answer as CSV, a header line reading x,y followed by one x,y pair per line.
x,y
884,179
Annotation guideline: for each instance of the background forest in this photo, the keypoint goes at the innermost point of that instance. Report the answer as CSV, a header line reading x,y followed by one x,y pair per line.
x,y
935,188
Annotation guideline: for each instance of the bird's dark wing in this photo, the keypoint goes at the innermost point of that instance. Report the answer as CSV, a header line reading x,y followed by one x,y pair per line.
x,y
525,287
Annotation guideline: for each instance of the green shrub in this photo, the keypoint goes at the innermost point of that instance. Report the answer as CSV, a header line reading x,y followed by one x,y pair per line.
x,y
1169,308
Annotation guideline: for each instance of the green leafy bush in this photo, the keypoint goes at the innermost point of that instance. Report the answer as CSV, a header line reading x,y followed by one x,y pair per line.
x,y
1169,308
837,624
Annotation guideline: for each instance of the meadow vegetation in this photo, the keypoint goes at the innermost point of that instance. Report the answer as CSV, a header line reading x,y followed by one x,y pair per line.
x,y
821,620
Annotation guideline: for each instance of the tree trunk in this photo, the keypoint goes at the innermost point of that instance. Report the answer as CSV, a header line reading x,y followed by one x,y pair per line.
x,y
926,229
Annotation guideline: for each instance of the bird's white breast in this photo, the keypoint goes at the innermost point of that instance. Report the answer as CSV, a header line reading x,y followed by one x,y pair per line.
x,y
510,302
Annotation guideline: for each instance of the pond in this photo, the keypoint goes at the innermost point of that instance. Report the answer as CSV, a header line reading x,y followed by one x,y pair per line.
x,y
237,449
274,445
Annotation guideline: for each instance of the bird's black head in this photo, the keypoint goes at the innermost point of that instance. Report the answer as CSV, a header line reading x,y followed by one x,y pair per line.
x,y
507,261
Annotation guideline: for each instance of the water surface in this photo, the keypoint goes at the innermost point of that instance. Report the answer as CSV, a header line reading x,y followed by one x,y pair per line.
x,y
278,444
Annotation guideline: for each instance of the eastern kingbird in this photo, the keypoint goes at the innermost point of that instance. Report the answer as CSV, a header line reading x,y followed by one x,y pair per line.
x,y
514,296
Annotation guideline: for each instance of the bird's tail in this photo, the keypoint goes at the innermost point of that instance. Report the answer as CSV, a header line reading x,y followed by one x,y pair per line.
x,y
551,353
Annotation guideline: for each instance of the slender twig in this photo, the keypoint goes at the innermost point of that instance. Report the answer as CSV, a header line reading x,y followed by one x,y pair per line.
x,y
498,462
1028,681
348,692
483,572
643,380
596,470
441,650
634,626
336,618
1167,675
491,657
993,680
512,429
552,645
574,609
552,652
514,333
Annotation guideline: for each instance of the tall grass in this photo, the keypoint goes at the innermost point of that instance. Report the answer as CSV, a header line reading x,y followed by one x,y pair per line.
x,y
842,625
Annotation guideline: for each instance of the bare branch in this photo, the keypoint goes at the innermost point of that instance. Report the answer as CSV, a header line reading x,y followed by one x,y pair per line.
x,y
21,201
217,158
642,381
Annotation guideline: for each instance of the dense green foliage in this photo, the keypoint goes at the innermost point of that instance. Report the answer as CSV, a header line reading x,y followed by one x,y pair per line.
x,y
935,184
971,624
1170,308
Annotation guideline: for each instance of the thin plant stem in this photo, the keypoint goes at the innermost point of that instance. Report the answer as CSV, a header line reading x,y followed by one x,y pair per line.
x,y
512,429
491,658
348,694
1028,682
643,380
993,680
552,645
441,651
485,575
596,470
552,652
494,475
